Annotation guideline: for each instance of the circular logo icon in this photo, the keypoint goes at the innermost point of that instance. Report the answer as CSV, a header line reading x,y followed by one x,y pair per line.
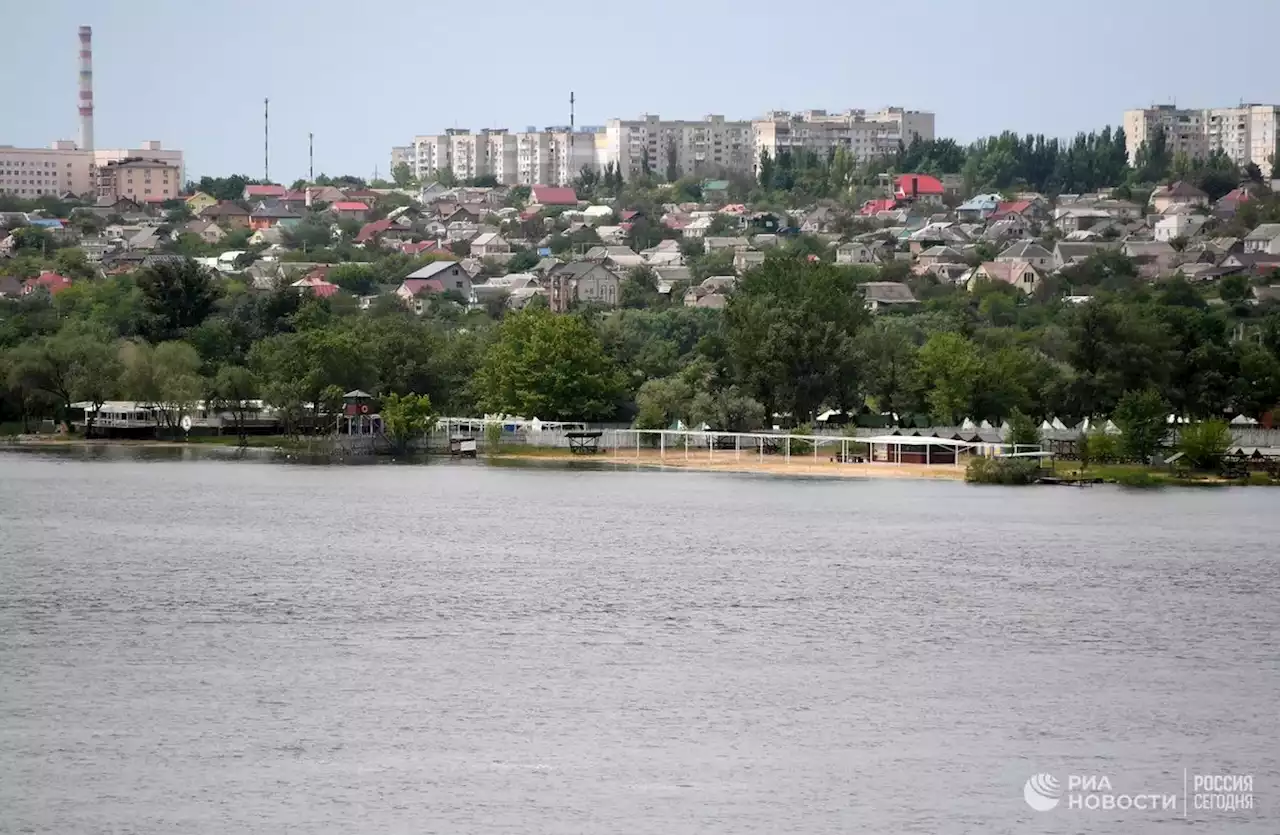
x,y
1042,792
186,423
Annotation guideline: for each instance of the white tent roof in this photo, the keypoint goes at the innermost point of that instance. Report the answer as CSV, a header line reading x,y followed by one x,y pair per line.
x,y
1058,424
912,440
968,425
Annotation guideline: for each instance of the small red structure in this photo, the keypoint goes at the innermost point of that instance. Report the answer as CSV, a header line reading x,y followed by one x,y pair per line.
x,y
47,280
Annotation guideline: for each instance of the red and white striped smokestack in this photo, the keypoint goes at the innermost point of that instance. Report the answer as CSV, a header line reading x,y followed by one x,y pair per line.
x,y
86,88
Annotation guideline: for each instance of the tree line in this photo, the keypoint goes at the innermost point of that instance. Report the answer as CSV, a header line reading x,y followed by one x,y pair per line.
x,y
794,341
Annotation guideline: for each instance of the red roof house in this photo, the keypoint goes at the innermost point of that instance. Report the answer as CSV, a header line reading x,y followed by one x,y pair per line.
x,y
410,248
258,192
370,231
315,285
52,282
873,207
919,187
553,196
1011,207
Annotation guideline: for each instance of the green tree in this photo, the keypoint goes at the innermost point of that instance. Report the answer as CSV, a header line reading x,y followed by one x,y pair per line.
x,y
949,370
1233,289
406,418
791,327
236,388
1204,444
176,298
523,261
1142,416
402,175
1022,430
547,366
68,366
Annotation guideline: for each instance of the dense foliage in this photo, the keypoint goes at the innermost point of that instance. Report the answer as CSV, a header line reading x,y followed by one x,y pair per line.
x,y
794,341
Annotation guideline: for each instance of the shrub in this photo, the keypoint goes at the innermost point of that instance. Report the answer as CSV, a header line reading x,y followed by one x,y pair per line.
x,y
492,438
1259,479
982,470
1203,444
1138,479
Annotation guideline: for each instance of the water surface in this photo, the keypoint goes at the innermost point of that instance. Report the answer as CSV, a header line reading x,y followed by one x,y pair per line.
x,y
213,646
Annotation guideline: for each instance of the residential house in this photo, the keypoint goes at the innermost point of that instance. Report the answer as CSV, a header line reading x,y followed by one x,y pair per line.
x,y
620,257
436,277
1021,274
597,215
552,196
615,235
491,245
711,293
1029,251
919,188
1152,251
1230,203
1249,263
715,192
585,281
1067,253
665,253
821,219
205,229
373,231
352,209
10,287
1027,208
1264,239
886,295
1070,219
1008,228
714,243
265,217
854,252
145,239
698,226
200,201
1270,293
936,234
977,208
1177,194
936,255
745,259
315,285
1178,225
227,214
261,192
48,281
875,208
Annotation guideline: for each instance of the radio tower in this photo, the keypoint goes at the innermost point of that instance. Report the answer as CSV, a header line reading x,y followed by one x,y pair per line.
x,y
573,158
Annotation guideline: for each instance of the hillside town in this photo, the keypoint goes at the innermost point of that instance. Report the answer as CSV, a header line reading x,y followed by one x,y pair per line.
x,y
799,269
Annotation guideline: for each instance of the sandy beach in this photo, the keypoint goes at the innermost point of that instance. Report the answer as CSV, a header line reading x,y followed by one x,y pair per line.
x,y
730,461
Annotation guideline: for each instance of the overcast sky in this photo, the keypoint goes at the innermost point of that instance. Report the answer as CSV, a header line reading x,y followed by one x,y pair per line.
x,y
364,76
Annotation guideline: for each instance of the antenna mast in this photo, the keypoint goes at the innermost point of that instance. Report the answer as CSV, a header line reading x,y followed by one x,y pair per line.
x,y
311,158
266,140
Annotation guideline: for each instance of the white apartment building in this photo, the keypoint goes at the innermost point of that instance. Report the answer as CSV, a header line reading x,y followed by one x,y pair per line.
x,y
556,156
403,155
1247,133
864,135
40,172
704,147
152,149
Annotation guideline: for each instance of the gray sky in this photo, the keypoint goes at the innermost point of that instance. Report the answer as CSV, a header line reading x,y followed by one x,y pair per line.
x,y
366,75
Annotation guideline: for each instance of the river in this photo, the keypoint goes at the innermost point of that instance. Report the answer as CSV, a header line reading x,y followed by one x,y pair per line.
x,y
214,646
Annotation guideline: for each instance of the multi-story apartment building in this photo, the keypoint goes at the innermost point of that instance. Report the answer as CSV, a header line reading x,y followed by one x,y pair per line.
x,y
864,135
403,155
139,179
151,149
39,172
705,147
1247,133
555,156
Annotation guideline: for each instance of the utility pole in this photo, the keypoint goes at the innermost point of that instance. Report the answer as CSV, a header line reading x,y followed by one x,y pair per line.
x,y
266,140
311,158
